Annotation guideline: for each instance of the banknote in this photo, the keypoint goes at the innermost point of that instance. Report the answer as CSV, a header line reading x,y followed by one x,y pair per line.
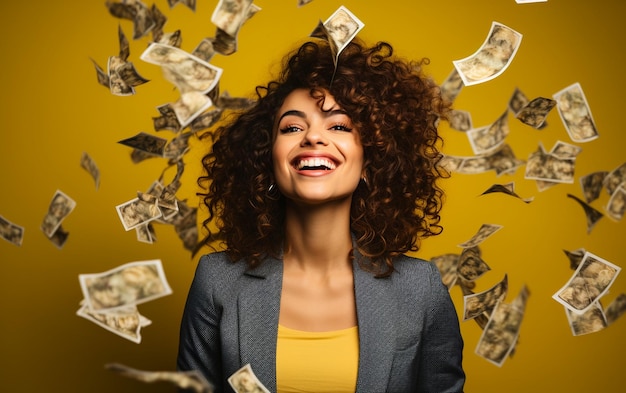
x,y
592,214
588,284
191,4
471,265
502,160
146,233
615,309
167,119
244,380
127,285
136,212
190,381
485,231
575,257
60,207
117,86
478,303
549,167
451,86
11,232
591,321
492,58
507,189
204,50
488,138
534,113
615,177
616,207
59,237
229,15
447,266
591,185
186,71
342,26
575,113
501,333
126,322
565,150
88,164
145,142
517,101
460,120
190,105
159,19
136,11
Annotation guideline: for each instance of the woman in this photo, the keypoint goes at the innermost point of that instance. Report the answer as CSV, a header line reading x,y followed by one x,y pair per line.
x,y
318,190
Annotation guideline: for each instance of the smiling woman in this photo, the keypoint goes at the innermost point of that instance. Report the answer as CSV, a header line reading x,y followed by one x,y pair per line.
x,y
319,189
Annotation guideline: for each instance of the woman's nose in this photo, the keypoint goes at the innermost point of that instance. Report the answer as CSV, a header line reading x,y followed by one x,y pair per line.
x,y
314,135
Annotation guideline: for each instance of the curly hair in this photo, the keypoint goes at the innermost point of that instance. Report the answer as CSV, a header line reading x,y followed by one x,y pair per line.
x,y
396,109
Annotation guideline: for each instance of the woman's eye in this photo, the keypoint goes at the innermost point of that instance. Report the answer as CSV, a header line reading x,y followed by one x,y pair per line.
x,y
289,129
341,127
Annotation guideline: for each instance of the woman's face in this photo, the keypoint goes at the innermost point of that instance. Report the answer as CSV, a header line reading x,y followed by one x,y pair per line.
x,y
317,152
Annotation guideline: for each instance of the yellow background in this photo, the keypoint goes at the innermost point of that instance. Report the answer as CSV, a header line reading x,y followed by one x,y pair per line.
x,y
53,109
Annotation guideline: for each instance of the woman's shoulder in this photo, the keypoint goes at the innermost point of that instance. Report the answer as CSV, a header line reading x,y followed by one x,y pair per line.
x,y
410,270
218,266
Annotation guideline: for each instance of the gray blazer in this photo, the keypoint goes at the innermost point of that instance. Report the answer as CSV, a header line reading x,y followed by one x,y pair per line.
x,y
409,338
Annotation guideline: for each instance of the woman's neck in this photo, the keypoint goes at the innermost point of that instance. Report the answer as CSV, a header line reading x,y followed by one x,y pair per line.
x,y
318,236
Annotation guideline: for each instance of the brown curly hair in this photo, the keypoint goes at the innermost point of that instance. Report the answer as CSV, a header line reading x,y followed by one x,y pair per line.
x,y
396,109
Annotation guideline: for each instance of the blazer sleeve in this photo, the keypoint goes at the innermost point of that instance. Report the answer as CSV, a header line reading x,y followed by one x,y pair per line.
x,y
199,344
441,367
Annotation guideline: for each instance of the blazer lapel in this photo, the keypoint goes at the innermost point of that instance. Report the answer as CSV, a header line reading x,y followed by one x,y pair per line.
x,y
375,305
259,306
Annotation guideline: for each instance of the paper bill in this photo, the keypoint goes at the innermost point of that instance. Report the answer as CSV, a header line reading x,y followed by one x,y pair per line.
x,y
167,119
60,207
190,105
588,284
591,321
485,231
478,303
616,177
191,4
486,139
565,150
460,120
11,232
126,285
145,233
517,101
500,335
88,164
501,160
136,11
550,167
229,15
137,212
591,185
575,257
616,207
339,29
204,50
451,86
492,58
592,214
126,323
447,266
191,381
575,113
59,237
507,189
146,142
470,265
244,380
535,112
615,309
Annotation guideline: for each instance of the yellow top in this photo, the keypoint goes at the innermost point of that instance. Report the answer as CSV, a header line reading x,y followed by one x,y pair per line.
x,y
317,362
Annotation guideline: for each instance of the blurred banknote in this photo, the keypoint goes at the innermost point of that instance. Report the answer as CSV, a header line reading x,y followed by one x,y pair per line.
x,y
339,29
460,120
492,58
488,138
471,265
147,143
137,212
550,167
483,233
244,380
126,323
591,185
616,207
60,207
124,286
88,164
615,309
588,284
535,112
501,160
447,266
501,333
136,11
229,15
191,381
451,86
507,189
592,214
478,303
11,232
575,113
616,177
591,321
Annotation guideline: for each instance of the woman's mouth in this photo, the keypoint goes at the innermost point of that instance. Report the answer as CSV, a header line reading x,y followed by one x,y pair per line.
x,y
315,163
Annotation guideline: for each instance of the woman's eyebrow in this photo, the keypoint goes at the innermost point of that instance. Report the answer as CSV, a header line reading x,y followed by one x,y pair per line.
x,y
293,112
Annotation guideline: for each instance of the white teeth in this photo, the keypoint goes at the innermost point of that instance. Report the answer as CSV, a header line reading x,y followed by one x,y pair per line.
x,y
315,163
